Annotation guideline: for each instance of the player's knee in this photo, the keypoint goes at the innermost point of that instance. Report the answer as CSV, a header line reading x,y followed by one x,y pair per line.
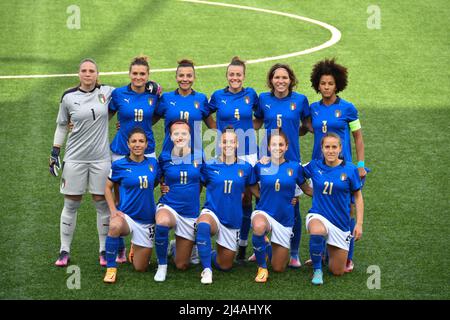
x,y
182,265
338,272
278,268
114,229
259,227
140,268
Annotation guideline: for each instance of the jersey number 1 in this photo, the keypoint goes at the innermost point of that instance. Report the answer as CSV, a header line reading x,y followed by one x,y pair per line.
x,y
227,186
143,182
328,188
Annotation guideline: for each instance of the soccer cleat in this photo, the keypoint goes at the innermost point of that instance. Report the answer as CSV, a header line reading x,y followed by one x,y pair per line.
x,y
131,254
349,266
308,263
194,255
63,259
317,278
161,273
110,276
294,262
262,275
122,256
240,258
206,276
252,258
102,258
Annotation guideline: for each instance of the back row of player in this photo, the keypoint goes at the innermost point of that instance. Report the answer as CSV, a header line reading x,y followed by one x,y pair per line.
x,y
87,155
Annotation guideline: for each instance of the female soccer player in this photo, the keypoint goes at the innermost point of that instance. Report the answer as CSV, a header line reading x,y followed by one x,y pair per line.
x,y
333,114
335,181
274,212
184,104
87,159
180,206
234,106
283,108
135,104
134,176
225,180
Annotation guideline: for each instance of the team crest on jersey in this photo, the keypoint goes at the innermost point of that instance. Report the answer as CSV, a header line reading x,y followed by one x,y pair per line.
x,y
150,101
343,177
247,99
293,106
290,172
241,173
151,167
196,104
338,113
102,98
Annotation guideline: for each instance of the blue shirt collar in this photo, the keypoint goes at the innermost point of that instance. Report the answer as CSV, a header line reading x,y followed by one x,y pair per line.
x,y
337,101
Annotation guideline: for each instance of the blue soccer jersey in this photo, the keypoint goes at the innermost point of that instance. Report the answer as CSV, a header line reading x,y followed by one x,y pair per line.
x,y
183,176
192,108
333,187
334,118
287,114
278,189
133,110
236,110
225,185
136,182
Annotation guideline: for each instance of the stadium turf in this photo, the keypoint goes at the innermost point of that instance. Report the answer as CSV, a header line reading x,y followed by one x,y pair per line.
x,y
398,79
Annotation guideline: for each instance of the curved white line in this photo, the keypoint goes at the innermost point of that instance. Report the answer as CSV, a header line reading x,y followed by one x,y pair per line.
x,y
335,37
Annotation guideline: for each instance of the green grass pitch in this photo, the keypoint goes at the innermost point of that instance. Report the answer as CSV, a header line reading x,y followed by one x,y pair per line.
x,y
399,78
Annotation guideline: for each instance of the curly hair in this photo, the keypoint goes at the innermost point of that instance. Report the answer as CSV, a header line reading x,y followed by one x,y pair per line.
x,y
329,67
288,69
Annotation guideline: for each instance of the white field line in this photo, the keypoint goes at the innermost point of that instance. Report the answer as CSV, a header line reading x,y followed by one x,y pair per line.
x,y
335,37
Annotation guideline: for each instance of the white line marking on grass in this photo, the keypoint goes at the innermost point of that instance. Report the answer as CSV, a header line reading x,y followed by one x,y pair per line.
x,y
335,37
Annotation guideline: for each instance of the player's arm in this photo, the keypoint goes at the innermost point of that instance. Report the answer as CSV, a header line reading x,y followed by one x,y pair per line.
x,y
58,141
254,189
109,197
359,144
257,123
210,122
359,203
306,126
306,188
155,119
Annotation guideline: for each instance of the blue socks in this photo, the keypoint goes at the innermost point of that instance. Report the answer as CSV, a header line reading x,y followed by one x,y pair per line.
x,y
245,227
121,244
316,248
296,232
203,241
161,243
259,247
352,242
111,246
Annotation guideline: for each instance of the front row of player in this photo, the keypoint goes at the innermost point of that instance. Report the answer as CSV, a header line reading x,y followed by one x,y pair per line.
x,y
184,173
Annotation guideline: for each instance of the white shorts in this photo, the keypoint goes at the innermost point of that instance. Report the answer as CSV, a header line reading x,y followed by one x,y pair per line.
x,y
250,158
280,234
226,237
115,156
335,236
184,227
78,176
142,235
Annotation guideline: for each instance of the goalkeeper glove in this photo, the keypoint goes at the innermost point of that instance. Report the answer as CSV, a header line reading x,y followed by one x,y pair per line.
x,y
153,88
54,162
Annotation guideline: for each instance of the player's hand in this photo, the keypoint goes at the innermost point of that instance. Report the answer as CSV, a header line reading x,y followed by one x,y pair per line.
x,y
153,88
163,188
264,160
70,126
54,162
362,172
357,232
117,125
117,213
294,201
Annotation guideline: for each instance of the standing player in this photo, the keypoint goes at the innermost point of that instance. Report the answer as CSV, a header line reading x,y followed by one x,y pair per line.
x,y
134,104
225,180
274,212
180,206
283,108
328,221
134,176
234,106
334,114
87,159
184,104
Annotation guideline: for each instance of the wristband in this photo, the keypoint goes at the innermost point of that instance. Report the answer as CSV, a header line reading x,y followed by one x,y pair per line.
x,y
360,164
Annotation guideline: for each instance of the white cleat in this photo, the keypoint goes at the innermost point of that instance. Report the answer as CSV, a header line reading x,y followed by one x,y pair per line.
x,y
161,273
206,276
195,259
